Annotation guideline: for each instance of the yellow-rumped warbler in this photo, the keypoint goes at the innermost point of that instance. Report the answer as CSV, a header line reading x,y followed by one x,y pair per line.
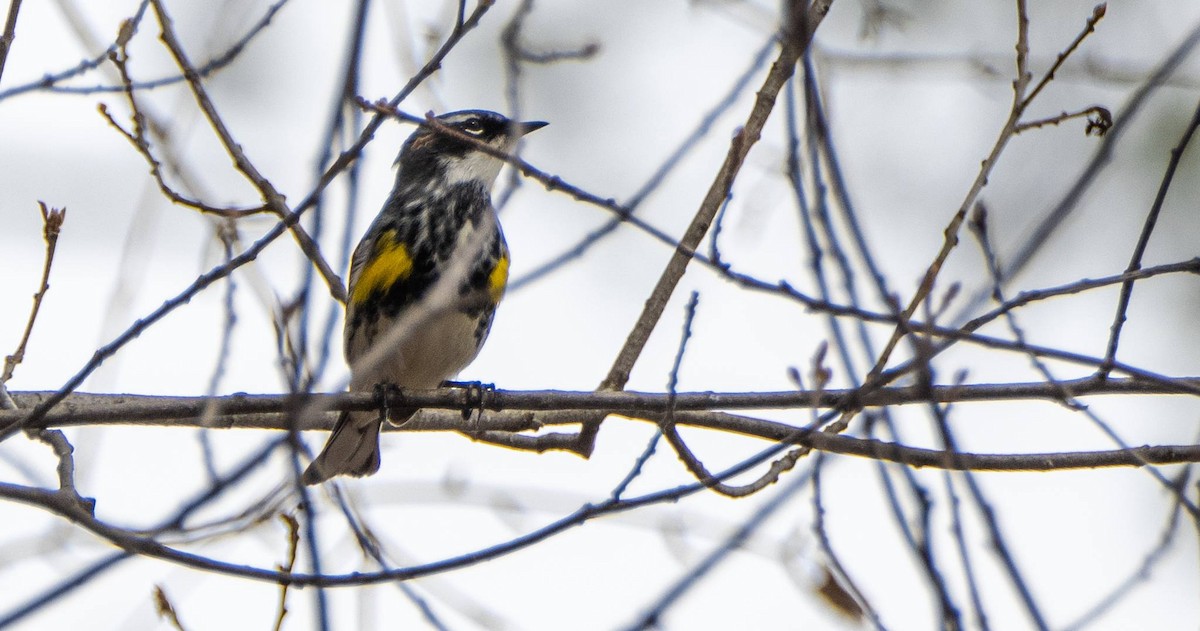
x,y
424,280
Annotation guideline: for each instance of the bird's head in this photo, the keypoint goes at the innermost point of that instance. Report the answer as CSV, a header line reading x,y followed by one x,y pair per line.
x,y
430,155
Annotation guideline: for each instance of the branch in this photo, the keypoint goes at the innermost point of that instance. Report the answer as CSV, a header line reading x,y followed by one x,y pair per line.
x,y
137,137
1020,103
1099,125
623,212
1135,262
136,543
1048,225
796,35
272,199
126,409
10,32
52,221
691,409
1089,27
50,82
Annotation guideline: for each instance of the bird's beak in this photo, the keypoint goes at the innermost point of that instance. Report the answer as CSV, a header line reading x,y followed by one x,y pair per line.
x,y
526,127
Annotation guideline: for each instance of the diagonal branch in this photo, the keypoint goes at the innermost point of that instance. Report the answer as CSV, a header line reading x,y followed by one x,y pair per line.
x,y
1135,263
10,32
1021,103
271,197
796,35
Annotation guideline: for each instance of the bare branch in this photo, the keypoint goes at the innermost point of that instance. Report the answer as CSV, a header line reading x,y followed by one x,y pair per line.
x,y
1089,27
691,409
1135,262
10,32
293,539
50,82
1099,125
85,409
795,39
272,199
52,221
1007,131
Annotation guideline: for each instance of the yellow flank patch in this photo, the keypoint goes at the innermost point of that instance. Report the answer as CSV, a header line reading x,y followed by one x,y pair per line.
x,y
390,264
498,279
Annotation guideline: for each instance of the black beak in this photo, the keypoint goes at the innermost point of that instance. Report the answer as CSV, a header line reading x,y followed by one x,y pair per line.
x,y
525,128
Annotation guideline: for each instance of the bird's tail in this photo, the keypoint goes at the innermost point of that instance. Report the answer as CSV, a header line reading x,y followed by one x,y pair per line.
x,y
353,449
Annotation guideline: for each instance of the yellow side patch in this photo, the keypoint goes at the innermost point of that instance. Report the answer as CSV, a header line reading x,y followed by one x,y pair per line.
x,y
390,264
498,279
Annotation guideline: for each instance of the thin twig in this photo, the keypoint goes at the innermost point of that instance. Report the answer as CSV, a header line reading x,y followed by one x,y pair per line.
x,y
964,552
50,82
137,137
839,589
1135,262
1037,238
1007,131
795,39
672,392
991,522
1021,83
979,228
1066,397
693,463
1089,27
652,617
10,32
636,470
344,118
52,221
810,215
293,539
1099,125
915,531
951,615
272,199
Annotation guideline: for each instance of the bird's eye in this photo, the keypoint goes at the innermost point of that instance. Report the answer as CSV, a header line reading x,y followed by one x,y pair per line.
x,y
473,126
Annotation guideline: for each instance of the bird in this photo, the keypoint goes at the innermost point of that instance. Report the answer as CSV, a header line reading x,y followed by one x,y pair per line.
x,y
425,279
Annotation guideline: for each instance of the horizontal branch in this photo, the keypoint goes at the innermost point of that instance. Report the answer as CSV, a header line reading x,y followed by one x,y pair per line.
x,y
522,411
224,411
65,506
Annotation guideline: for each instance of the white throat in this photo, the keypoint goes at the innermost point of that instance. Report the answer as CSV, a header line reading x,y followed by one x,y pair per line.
x,y
476,166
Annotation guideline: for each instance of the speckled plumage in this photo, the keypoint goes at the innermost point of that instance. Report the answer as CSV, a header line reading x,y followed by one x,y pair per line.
x,y
424,280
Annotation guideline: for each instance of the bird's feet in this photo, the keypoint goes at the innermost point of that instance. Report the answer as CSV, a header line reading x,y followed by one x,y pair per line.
x,y
384,392
477,392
